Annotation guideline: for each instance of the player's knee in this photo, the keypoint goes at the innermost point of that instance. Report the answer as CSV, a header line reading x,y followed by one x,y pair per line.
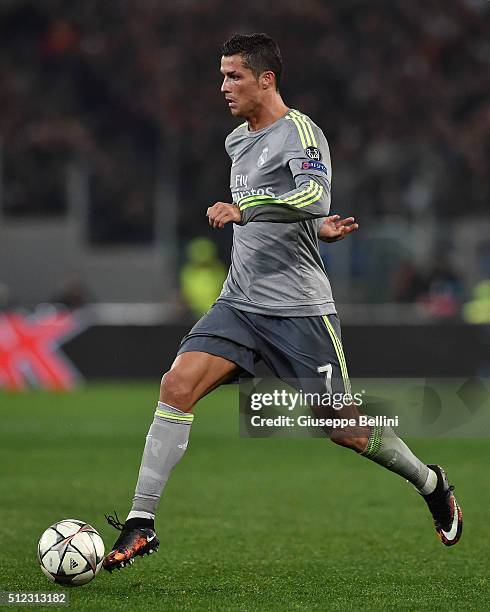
x,y
176,390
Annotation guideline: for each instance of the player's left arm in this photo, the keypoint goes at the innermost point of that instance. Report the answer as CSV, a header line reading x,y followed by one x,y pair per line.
x,y
335,228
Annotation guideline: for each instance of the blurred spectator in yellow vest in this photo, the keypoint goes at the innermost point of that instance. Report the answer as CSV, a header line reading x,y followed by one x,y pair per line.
x,y
202,276
477,311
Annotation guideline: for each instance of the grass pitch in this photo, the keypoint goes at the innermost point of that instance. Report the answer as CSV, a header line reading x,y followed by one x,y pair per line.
x,y
245,524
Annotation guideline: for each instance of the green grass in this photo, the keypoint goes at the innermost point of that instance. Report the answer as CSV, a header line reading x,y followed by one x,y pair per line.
x,y
245,524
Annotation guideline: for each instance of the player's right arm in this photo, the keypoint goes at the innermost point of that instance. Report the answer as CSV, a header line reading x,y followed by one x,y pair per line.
x,y
307,157
310,200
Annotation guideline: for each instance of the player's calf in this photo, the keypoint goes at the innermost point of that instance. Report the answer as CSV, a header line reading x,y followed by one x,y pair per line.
x,y
191,376
384,447
354,437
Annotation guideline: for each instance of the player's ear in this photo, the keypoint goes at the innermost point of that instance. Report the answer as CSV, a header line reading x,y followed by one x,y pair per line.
x,y
268,80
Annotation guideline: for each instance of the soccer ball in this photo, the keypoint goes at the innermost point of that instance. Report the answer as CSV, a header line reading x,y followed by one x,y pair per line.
x,y
70,552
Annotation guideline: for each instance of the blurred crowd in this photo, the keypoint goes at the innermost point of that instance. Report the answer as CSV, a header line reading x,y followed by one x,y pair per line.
x,y
400,88
125,88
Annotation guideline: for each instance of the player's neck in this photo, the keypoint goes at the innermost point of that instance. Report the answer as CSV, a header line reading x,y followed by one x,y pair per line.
x,y
267,114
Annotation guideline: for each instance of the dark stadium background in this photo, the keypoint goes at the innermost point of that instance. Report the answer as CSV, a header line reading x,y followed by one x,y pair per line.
x,y
111,136
111,148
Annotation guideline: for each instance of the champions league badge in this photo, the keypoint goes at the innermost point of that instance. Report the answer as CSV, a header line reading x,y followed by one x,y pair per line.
x,y
314,165
313,153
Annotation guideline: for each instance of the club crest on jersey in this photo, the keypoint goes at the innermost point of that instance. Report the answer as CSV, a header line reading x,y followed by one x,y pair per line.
x,y
313,153
314,165
263,157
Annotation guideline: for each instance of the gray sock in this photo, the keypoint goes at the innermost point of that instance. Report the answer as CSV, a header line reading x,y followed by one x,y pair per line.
x,y
387,449
166,443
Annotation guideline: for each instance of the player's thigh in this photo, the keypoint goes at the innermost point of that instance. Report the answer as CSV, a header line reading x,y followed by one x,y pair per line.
x,y
192,375
308,353
307,350
334,370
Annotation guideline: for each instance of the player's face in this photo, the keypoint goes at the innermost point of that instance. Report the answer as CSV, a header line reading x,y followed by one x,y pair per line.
x,y
240,87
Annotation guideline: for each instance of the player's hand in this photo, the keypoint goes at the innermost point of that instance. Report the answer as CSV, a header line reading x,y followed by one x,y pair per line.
x,y
222,213
334,228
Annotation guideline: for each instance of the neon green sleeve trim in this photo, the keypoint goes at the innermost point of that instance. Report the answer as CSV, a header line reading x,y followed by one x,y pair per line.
x,y
308,196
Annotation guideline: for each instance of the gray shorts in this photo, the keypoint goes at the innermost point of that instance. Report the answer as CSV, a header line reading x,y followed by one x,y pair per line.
x,y
304,348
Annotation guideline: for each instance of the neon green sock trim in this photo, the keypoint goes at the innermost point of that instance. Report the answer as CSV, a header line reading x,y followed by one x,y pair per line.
x,y
174,417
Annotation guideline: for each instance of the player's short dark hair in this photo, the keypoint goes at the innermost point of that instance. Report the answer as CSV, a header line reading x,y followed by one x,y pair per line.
x,y
259,51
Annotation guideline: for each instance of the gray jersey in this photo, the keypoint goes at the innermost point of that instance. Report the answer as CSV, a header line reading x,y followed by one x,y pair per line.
x,y
280,179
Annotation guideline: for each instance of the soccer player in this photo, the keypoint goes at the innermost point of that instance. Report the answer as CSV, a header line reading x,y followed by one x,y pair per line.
x,y
276,303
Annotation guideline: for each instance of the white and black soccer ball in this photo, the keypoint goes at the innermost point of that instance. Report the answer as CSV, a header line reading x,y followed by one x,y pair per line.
x,y
70,552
